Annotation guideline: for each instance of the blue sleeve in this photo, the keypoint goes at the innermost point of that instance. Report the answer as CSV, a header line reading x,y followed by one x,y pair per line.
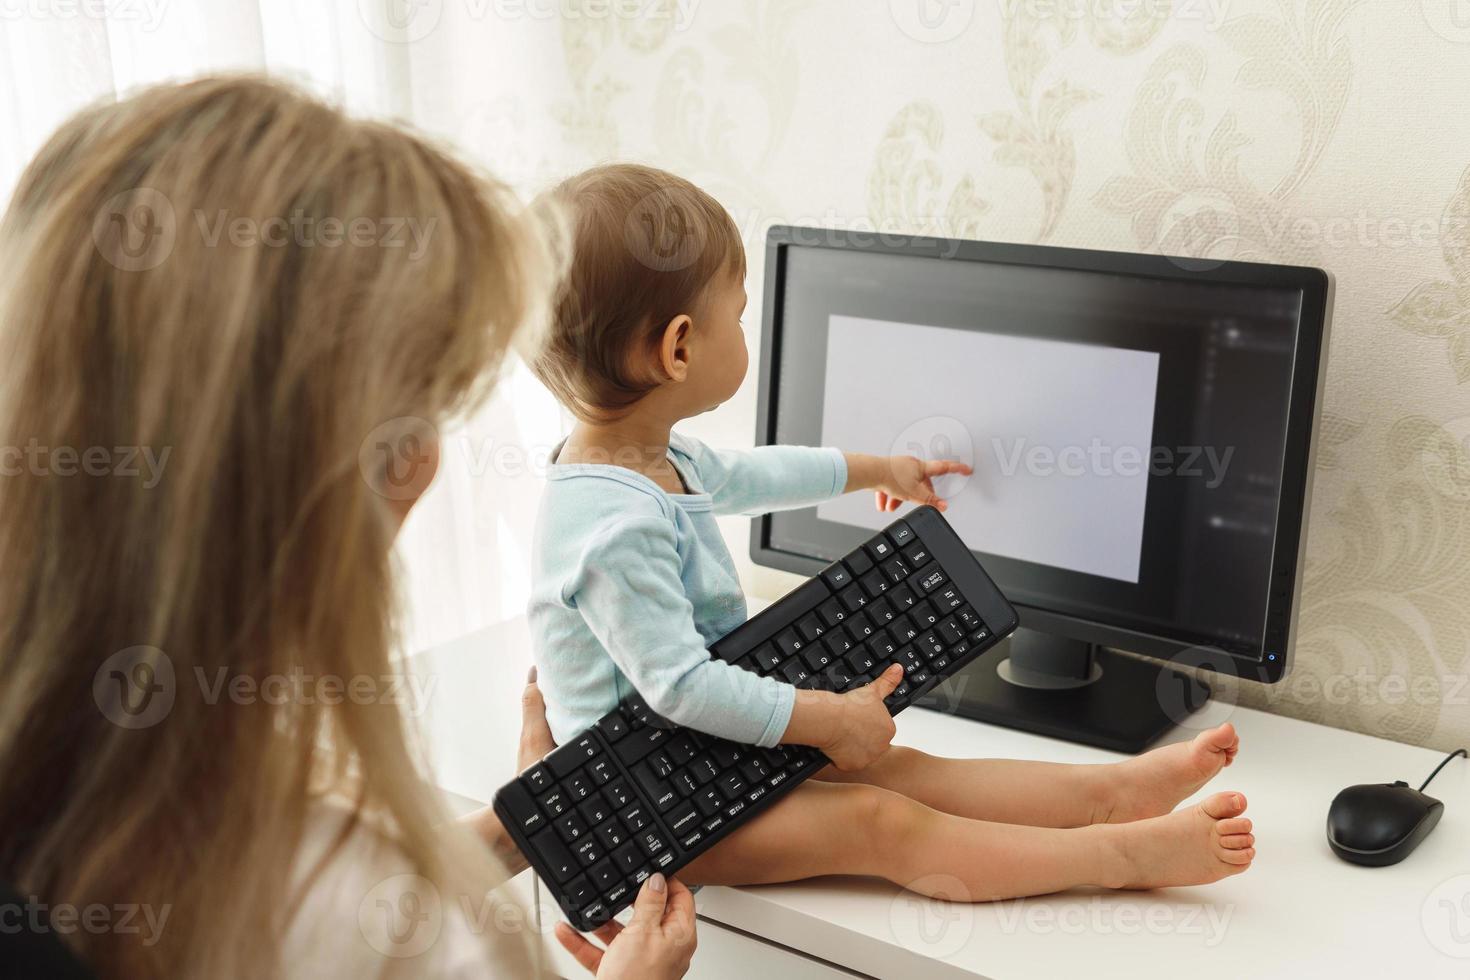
x,y
628,590
758,481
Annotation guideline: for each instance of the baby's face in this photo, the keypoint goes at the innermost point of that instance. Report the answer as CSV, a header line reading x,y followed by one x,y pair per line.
x,y
718,357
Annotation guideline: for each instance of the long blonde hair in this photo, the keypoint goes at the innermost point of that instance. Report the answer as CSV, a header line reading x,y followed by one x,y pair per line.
x,y
174,285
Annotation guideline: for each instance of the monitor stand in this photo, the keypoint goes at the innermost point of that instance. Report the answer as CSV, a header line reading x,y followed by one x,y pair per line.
x,y
1069,689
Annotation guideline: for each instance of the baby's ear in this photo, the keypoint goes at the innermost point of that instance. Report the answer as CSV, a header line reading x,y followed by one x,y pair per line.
x,y
673,350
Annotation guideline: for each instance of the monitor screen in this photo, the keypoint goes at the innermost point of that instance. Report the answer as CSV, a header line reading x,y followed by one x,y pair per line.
x,y
1128,432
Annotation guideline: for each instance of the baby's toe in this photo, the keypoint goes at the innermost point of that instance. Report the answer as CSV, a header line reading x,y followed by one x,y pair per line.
x,y
1238,842
1239,858
1234,825
1222,806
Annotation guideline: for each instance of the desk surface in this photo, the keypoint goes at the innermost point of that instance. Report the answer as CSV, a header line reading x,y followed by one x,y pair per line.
x,y
1298,912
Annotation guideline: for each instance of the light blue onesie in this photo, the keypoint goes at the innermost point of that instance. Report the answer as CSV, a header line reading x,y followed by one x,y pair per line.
x,y
631,584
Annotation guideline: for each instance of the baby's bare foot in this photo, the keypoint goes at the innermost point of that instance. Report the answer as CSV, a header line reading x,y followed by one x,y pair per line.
x,y
1154,783
1193,846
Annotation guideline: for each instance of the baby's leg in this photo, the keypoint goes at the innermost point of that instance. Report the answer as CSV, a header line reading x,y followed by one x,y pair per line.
x,y
1047,794
831,828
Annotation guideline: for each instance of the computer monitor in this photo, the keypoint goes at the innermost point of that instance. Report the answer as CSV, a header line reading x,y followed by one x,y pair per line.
x,y
1141,430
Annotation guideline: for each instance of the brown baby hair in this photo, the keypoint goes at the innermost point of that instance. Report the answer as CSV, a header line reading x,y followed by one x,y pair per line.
x,y
646,246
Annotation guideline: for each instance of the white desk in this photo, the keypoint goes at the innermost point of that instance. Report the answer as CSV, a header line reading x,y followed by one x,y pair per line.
x,y
1299,912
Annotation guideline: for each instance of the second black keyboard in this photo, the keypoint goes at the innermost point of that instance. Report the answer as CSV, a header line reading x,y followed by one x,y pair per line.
x,y
636,794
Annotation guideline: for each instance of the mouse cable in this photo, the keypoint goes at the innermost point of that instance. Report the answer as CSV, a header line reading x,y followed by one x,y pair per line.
x,y
1442,765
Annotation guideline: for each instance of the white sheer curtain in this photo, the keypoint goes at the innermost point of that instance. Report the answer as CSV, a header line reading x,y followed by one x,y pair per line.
x,y
452,70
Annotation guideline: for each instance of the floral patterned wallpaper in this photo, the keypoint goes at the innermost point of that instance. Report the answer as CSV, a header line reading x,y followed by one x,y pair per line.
x,y
1321,132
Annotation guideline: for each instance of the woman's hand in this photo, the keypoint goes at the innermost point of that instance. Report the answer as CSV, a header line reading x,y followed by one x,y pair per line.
x,y
535,742
656,945
899,479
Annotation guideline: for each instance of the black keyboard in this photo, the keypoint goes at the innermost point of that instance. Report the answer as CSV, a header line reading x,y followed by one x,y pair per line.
x,y
635,794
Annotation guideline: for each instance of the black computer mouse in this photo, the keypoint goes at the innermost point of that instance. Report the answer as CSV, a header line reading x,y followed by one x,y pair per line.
x,y
1378,824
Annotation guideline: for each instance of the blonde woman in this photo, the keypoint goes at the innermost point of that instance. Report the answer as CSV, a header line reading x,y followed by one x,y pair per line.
x,y
208,303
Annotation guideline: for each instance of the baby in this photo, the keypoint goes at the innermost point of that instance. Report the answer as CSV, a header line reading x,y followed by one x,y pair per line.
x,y
632,582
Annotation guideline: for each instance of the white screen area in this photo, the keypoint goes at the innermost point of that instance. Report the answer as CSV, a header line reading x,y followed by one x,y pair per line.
x,y
1059,435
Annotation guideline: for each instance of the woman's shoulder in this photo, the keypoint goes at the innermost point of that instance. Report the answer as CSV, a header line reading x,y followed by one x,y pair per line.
x,y
366,913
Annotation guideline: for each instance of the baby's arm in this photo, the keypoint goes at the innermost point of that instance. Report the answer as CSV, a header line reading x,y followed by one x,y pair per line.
x,y
629,592
771,478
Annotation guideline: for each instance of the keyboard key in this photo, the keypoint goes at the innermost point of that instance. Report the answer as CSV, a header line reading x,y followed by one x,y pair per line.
x,y
684,783
540,780
526,814
925,615
555,854
705,771
640,743
684,819
580,893
901,534
566,760
816,657
902,598
881,611
931,580
894,570
652,842
579,786
968,617
570,827
767,658
732,784
634,817
611,835
950,631
604,875
852,598
795,671
725,754
860,628
948,599
880,548
618,793
789,644
874,584
809,628
595,810
837,576
709,802
838,642
613,726
917,555
661,764
627,859
930,645
862,660
681,749
555,802
858,563
602,771
831,612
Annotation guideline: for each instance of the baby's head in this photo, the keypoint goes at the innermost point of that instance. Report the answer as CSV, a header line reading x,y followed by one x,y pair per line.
x,y
649,314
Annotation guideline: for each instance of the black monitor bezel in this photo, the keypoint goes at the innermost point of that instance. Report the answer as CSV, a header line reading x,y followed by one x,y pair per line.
x,y
1283,597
